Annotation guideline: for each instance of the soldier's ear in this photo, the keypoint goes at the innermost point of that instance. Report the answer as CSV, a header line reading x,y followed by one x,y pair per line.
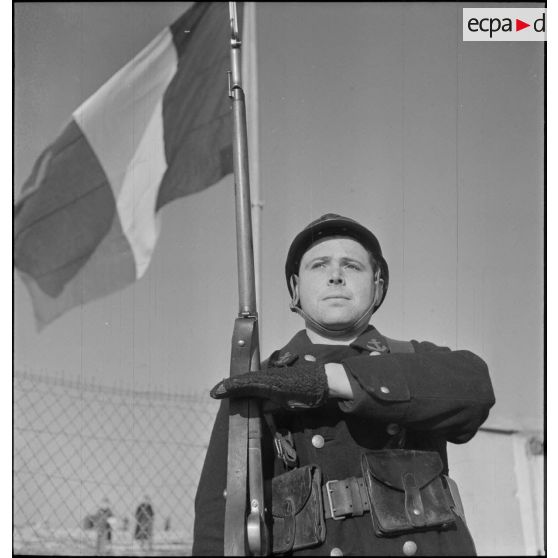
x,y
294,288
378,288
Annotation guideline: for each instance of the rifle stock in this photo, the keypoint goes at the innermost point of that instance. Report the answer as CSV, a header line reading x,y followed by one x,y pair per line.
x,y
245,529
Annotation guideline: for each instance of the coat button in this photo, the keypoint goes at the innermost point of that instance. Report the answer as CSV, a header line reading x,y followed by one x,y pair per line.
x,y
384,389
393,428
310,358
318,441
409,548
336,552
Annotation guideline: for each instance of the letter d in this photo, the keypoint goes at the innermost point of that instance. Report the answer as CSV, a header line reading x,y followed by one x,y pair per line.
x,y
541,20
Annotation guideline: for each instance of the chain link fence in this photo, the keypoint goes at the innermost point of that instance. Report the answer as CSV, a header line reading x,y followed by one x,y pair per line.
x,y
85,458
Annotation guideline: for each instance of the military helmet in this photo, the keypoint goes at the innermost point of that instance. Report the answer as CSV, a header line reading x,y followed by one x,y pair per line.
x,y
332,224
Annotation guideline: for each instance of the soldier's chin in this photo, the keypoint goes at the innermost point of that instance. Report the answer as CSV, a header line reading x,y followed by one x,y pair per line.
x,y
337,323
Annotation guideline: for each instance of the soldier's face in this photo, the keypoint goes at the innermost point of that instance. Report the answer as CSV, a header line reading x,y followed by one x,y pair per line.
x,y
336,281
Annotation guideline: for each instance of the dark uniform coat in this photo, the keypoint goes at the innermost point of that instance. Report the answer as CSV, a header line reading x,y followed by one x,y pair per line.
x,y
431,393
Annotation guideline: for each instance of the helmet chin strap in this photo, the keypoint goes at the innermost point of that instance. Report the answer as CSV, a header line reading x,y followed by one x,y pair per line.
x,y
335,333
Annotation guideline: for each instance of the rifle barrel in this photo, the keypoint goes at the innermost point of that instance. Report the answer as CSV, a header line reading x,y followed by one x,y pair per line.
x,y
244,417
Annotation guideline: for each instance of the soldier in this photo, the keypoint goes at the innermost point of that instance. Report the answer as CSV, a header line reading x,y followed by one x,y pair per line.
x,y
358,463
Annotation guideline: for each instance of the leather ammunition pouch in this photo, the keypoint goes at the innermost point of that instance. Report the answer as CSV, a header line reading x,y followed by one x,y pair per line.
x,y
297,509
407,491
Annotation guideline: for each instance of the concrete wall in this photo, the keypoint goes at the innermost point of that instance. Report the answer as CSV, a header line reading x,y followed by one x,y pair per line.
x,y
501,481
380,112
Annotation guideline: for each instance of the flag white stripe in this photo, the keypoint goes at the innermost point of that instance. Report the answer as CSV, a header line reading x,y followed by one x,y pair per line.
x,y
123,123
136,202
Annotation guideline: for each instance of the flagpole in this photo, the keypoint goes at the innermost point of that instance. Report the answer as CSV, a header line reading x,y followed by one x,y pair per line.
x,y
250,79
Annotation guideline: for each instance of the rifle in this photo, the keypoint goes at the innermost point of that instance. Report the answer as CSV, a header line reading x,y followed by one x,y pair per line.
x,y
244,491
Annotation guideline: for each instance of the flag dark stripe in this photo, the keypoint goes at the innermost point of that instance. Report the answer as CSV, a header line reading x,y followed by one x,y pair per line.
x,y
200,160
183,28
109,268
60,224
196,107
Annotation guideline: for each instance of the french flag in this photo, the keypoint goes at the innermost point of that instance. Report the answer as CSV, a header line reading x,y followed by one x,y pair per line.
x,y
161,128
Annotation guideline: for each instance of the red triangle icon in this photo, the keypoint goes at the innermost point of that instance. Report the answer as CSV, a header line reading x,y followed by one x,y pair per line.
x,y
519,25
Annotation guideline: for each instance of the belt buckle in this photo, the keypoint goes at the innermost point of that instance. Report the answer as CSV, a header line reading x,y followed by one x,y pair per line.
x,y
329,499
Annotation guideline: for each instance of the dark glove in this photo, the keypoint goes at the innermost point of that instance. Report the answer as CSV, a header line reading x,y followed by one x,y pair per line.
x,y
303,385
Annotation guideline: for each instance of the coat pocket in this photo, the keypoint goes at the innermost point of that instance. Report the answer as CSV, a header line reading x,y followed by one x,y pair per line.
x,y
297,509
407,491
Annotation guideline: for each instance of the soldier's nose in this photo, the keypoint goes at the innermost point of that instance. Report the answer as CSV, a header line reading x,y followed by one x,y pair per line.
x,y
336,279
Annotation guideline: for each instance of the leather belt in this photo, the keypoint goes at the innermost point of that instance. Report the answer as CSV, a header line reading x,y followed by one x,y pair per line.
x,y
349,497
345,498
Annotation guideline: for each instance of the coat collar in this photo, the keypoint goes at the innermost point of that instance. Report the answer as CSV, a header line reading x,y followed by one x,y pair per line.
x,y
369,340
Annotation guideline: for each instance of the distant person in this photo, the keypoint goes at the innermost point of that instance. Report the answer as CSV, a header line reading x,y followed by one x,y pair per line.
x,y
144,523
104,528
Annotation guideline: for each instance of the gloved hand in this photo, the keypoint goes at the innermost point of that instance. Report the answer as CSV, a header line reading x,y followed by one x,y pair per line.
x,y
303,385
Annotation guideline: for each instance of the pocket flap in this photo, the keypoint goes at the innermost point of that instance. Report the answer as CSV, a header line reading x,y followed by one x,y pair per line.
x,y
390,466
291,491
